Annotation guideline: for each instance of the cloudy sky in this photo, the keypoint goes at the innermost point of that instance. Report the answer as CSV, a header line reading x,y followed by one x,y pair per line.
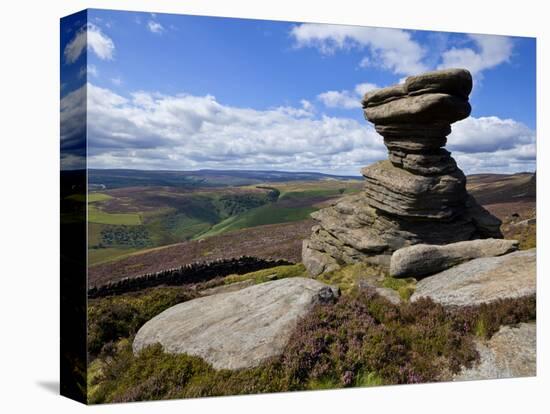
x,y
182,92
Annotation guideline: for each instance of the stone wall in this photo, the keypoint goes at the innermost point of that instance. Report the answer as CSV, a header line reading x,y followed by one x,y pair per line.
x,y
191,273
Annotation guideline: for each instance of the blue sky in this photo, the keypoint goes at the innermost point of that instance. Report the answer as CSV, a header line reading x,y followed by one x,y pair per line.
x,y
188,92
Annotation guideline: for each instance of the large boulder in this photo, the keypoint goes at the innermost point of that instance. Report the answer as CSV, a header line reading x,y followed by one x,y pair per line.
x,y
482,280
425,259
511,352
236,329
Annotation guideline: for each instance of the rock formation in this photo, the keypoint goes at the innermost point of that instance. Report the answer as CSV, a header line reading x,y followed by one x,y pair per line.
x,y
427,259
482,280
510,353
239,329
416,196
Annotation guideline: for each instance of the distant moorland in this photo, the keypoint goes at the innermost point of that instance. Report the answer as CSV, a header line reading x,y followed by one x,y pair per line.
x,y
207,215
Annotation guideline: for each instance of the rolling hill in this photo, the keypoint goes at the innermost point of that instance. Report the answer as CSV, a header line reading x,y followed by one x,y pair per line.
x,y
100,179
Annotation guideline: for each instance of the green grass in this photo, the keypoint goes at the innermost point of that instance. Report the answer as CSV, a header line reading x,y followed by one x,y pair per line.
x,y
347,277
181,216
368,379
268,214
95,215
405,287
94,234
273,273
94,197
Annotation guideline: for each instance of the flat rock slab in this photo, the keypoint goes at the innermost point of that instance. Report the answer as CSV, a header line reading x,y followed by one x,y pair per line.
x,y
482,280
427,259
232,287
237,329
511,352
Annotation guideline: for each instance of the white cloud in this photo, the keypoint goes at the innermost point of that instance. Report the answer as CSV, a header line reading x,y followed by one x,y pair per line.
x,y
391,49
346,99
89,70
307,105
489,134
491,51
363,88
155,27
339,99
148,130
116,81
492,144
151,130
395,50
91,36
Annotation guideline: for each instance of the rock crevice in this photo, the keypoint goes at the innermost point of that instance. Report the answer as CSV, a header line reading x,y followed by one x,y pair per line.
x,y
416,196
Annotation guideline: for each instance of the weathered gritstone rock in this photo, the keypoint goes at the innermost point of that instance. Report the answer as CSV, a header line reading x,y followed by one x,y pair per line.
x,y
237,329
418,195
427,259
510,353
401,193
482,280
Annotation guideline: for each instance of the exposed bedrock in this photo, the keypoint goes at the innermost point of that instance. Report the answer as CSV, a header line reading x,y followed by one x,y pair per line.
x,y
416,196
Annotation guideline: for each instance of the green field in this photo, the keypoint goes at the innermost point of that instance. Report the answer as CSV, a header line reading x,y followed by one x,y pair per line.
x,y
96,215
270,214
94,197
128,220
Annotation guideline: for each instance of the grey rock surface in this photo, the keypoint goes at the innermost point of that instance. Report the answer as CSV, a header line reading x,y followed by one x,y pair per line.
x,y
482,280
390,294
426,259
430,107
236,329
232,287
317,262
511,352
399,192
416,196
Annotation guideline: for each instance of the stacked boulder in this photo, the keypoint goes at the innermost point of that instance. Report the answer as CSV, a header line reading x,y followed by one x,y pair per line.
x,y
416,196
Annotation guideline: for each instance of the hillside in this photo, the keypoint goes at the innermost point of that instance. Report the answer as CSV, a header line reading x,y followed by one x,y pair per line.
x,y
100,179
275,241
502,188
123,221
137,230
